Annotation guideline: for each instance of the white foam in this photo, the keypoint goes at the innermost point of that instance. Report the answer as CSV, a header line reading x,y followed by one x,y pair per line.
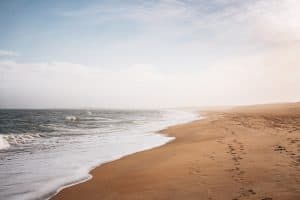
x,y
3,143
71,118
16,139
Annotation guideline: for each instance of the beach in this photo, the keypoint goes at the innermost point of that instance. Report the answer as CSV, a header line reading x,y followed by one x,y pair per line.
x,y
250,152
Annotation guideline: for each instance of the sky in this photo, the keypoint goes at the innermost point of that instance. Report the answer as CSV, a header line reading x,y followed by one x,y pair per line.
x,y
148,54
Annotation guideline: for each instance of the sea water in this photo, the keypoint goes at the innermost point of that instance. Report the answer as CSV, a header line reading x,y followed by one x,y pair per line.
x,y
42,151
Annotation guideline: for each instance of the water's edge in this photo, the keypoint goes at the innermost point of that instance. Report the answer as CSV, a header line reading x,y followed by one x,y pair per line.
x,y
90,176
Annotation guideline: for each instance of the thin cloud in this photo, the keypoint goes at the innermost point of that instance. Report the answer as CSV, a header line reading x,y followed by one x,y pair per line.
x,y
8,53
267,20
264,78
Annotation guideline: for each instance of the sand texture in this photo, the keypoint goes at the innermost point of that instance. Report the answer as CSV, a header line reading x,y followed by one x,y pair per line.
x,y
243,153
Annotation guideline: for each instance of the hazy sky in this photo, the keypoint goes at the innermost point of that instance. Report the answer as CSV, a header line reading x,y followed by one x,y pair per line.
x,y
148,54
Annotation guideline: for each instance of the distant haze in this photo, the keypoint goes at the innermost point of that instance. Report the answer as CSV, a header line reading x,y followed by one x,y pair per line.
x,y
148,54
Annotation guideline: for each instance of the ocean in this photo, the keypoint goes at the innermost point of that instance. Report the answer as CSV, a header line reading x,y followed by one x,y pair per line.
x,y
43,151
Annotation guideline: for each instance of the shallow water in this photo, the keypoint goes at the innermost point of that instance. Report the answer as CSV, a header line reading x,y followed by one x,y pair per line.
x,y
42,151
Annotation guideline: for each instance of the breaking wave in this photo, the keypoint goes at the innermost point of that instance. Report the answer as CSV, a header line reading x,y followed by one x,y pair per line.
x,y
15,139
3,143
71,118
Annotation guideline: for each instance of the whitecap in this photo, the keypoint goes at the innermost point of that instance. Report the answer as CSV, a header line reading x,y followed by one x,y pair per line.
x,y
16,139
4,144
71,118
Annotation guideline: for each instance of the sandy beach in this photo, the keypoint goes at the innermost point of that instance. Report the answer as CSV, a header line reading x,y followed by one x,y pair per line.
x,y
248,152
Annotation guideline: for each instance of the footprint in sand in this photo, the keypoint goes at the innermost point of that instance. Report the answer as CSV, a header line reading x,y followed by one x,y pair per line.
x,y
236,150
245,193
280,148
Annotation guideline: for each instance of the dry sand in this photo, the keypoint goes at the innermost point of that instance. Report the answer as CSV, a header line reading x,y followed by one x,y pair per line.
x,y
242,153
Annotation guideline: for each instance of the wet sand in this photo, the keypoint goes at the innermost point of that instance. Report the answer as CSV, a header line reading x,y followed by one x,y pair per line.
x,y
243,153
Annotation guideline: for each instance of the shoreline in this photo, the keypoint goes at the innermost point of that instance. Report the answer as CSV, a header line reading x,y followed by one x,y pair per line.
x,y
90,171
220,157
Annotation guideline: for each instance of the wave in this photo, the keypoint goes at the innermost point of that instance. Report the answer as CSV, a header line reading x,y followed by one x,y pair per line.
x,y
15,139
72,118
3,143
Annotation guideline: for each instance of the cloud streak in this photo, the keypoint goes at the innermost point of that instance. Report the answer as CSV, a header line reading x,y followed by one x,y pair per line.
x,y
8,53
